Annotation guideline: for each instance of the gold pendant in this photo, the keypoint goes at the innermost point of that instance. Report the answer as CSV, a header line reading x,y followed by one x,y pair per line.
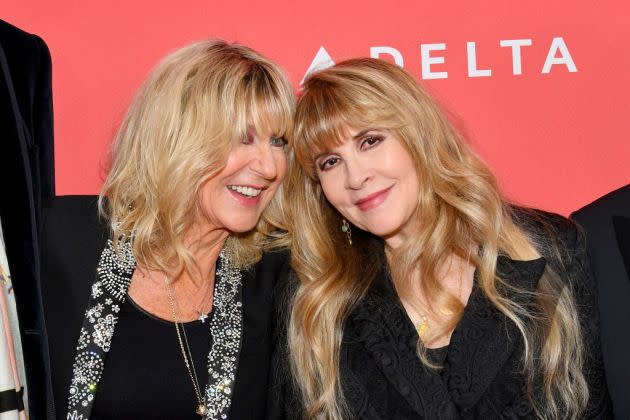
x,y
202,410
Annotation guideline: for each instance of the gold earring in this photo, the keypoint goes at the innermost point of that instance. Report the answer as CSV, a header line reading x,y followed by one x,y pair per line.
x,y
345,227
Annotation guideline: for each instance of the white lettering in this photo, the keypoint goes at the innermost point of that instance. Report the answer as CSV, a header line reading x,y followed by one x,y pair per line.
x,y
516,45
322,61
558,54
375,52
471,50
427,60
565,57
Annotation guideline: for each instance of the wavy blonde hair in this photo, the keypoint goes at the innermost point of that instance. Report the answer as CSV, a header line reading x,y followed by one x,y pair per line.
x,y
193,108
459,208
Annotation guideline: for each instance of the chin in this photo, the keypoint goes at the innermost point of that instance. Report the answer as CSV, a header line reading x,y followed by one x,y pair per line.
x,y
384,231
241,227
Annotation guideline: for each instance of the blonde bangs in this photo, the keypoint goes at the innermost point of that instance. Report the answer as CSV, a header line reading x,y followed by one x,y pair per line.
x,y
317,139
330,107
270,109
195,106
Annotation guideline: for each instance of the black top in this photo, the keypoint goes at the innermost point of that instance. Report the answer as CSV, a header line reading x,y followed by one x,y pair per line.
x,y
27,171
438,355
73,238
383,378
607,225
135,375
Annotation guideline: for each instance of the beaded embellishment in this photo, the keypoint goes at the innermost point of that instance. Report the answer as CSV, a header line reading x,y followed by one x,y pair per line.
x,y
226,328
113,275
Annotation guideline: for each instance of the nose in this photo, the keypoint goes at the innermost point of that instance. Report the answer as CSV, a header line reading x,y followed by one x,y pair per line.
x,y
357,173
264,163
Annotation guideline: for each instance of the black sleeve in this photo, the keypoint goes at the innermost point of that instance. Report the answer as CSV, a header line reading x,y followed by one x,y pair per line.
x,y
284,402
563,244
585,295
71,241
43,122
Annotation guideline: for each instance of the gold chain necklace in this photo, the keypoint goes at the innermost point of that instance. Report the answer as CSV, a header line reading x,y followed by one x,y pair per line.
x,y
186,353
423,328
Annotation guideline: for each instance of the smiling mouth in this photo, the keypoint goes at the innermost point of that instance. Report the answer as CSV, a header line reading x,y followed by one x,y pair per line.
x,y
373,200
246,191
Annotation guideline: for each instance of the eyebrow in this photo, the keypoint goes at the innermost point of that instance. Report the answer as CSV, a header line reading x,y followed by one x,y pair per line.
x,y
355,137
319,155
363,133
273,135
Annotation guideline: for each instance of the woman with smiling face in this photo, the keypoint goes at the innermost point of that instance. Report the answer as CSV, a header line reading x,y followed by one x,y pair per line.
x,y
422,293
162,307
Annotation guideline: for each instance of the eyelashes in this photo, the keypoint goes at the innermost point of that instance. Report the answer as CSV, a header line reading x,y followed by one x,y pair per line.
x,y
371,141
278,142
328,163
365,143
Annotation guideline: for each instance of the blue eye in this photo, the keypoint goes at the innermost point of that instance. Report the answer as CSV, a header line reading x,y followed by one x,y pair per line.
x,y
278,142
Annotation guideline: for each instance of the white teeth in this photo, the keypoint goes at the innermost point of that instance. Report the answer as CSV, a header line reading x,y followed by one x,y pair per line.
x,y
248,191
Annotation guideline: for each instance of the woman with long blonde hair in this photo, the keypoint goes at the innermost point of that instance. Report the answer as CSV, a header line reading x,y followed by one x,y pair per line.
x,y
421,292
160,307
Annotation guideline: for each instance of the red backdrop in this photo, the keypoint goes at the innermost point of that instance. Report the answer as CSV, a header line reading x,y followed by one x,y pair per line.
x,y
556,134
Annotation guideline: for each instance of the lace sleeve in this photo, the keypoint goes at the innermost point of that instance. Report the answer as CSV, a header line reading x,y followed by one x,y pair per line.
x,y
585,294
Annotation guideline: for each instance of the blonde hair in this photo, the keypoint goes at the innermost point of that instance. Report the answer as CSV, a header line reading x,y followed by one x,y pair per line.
x,y
183,122
459,207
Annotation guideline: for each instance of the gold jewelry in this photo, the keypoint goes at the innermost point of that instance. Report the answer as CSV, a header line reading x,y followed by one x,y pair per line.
x,y
186,354
345,227
422,327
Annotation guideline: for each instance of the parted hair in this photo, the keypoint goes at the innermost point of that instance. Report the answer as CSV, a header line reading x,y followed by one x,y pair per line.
x,y
196,104
459,208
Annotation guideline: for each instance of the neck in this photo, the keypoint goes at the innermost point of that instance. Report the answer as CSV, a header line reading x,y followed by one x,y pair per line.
x,y
434,308
193,290
395,239
205,244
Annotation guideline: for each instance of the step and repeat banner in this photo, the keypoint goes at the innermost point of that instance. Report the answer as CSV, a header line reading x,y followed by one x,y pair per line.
x,y
541,89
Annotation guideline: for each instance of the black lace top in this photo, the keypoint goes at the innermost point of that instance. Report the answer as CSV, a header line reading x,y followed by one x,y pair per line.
x,y
481,378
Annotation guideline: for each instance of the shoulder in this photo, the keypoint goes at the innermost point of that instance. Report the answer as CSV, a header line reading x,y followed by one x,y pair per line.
x,y
12,34
71,203
266,280
19,44
273,267
278,258
72,231
616,202
558,239
72,214
540,221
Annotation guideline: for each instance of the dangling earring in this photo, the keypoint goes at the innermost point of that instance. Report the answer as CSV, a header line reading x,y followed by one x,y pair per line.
x,y
345,228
